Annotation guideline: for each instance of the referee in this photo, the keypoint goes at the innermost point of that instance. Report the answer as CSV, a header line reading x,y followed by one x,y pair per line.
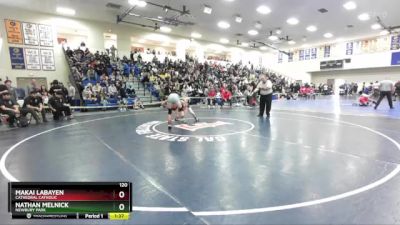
x,y
265,88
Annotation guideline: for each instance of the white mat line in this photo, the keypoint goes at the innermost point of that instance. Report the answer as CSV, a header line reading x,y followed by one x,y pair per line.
x,y
159,209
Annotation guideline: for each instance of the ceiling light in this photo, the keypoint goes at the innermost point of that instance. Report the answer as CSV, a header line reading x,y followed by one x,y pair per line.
x,y
273,38
364,17
292,21
328,35
312,28
350,5
160,17
384,32
65,11
263,9
223,24
278,32
291,42
253,32
207,9
229,0
224,41
142,41
165,29
305,46
376,26
139,3
264,48
245,44
238,19
196,35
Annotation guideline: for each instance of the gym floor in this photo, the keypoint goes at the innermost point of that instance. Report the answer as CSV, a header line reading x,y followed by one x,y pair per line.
x,y
312,162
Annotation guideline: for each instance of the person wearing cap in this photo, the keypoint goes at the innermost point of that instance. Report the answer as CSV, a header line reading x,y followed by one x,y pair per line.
x,y
265,88
33,104
9,107
180,107
58,106
55,87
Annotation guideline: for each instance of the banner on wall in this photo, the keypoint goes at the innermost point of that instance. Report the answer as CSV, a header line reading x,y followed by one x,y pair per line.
x,y
47,58
301,55
349,48
313,53
17,58
280,57
395,43
32,58
396,59
327,51
45,35
31,36
14,32
290,57
307,54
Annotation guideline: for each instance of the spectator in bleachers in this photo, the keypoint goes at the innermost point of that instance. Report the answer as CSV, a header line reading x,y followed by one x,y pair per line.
x,y
71,93
112,91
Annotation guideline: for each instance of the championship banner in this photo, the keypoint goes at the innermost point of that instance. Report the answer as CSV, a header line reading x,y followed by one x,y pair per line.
x,y
280,57
14,32
327,51
383,44
45,35
395,42
31,36
47,57
349,48
301,55
17,58
290,57
32,58
313,53
307,54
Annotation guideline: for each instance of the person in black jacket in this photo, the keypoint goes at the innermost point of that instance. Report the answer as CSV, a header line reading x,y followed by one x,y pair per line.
x,y
59,107
55,87
33,104
9,107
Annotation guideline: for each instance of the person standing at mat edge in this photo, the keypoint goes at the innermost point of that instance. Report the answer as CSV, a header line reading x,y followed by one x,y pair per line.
x,y
386,88
265,88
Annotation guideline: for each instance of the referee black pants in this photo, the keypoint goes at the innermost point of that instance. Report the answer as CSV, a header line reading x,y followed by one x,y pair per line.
x,y
384,94
265,104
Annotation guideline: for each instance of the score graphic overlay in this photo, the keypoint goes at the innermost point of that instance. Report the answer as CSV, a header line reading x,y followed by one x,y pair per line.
x,y
86,200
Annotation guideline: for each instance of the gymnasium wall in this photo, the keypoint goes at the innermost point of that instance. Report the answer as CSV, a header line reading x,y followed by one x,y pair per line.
x,y
358,75
366,63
